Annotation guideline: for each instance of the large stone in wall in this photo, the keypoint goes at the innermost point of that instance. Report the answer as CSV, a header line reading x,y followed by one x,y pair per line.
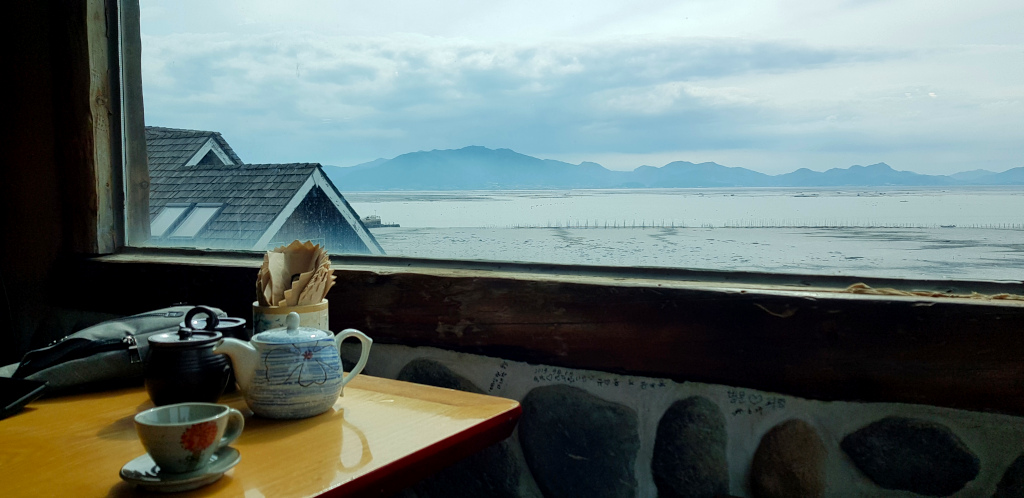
x,y
433,373
1012,483
491,472
577,444
789,461
689,451
913,455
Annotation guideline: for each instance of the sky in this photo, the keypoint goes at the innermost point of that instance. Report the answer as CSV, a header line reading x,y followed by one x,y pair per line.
x,y
930,86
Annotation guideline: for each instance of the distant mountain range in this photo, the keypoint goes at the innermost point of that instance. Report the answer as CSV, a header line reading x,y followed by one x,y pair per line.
x,y
480,168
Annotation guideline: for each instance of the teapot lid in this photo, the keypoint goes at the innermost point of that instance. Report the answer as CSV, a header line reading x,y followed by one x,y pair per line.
x,y
189,337
292,333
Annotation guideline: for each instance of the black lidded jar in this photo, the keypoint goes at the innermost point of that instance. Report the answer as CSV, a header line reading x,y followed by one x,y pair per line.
x,y
182,366
227,326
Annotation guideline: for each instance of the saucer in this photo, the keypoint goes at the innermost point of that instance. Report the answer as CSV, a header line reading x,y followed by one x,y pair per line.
x,y
144,472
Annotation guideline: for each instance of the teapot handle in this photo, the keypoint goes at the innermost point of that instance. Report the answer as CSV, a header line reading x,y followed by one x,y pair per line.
x,y
364,353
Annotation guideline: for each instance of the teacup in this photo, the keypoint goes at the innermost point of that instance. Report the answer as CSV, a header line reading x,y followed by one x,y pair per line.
x,y
183,437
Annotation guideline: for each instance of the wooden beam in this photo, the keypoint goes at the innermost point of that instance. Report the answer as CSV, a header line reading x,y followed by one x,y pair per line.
x,y
812,343
101,39
73,126
85,127
825,346
133,126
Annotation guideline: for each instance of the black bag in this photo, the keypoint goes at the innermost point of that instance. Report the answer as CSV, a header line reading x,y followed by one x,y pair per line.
x,y
105,354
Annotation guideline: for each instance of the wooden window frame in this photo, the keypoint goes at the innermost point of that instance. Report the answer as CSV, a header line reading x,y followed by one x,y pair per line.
x,y
802,335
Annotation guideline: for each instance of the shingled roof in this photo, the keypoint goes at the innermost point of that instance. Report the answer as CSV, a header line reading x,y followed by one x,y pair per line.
x,y
251,201
174,147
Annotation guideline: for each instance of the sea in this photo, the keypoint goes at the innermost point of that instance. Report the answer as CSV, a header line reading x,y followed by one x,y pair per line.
x,y
961,233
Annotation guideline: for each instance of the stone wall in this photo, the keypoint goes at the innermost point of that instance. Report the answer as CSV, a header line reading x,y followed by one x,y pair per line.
x,y
595,434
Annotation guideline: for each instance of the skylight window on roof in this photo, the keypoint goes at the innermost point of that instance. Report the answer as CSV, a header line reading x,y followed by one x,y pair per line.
x,y
167,217
195,221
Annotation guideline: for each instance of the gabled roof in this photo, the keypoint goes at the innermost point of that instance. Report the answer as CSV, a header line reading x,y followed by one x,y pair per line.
x,y
174,147
255,200
200,191
252,195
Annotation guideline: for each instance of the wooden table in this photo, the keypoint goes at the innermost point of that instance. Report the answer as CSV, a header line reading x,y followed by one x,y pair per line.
x,y
381,436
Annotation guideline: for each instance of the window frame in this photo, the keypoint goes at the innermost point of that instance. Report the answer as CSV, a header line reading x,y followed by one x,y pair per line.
x,y
185,207
216,207
812,314
188,209
128,45
134,163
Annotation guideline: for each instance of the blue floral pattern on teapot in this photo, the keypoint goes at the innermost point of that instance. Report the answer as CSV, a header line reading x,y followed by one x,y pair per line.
x,y
294,372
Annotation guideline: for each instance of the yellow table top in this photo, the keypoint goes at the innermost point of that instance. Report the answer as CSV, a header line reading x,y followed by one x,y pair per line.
x,y
381,435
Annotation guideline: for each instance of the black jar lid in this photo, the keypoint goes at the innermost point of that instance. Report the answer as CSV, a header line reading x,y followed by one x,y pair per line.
x,y
223,323
188,337
185,338
229,326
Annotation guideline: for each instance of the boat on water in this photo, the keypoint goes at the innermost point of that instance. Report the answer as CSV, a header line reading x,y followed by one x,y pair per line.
x,y
373,221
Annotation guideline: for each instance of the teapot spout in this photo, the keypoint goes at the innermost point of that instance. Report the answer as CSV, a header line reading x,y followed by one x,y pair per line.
x,y
243,359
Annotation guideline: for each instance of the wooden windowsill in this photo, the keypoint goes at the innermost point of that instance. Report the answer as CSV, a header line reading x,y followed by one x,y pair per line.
x,y
799,286
797,335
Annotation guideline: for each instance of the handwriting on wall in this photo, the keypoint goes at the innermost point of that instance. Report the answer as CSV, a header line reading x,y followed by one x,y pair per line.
x,y
499,377
565,376
743,403
740,401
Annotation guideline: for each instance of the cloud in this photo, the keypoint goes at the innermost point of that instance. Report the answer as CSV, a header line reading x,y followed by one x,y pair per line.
x,y
282,96
458,87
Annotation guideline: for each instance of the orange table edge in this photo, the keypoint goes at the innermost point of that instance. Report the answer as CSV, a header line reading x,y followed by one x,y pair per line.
x,y
399,432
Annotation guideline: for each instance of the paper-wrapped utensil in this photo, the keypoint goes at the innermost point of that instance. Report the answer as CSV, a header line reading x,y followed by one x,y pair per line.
x,y
294,275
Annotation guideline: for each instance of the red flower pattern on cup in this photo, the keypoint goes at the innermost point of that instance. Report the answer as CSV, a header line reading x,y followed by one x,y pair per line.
x,y
199,437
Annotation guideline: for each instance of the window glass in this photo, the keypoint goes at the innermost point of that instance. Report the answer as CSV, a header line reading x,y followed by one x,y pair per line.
x,y
210,159
164,219
835,137
195,221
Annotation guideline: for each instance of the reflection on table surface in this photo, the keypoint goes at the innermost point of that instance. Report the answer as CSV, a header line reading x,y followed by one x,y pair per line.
x,y
379,433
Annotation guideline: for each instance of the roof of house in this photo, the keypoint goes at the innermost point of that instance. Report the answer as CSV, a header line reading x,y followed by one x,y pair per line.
x,y
253,195
252,201
174,147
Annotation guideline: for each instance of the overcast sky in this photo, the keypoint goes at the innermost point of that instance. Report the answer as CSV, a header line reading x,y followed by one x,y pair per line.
x,y
931,86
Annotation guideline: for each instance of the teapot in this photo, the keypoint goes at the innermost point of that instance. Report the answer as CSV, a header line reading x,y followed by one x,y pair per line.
x,y
292,372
